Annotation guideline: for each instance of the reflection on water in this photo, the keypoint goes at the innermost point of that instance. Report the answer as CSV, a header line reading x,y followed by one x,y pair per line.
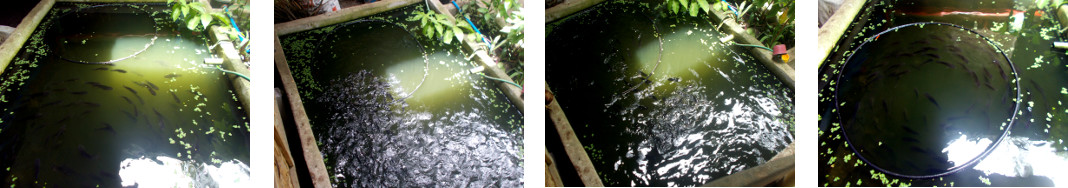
x,y
456,130
163,171
706,111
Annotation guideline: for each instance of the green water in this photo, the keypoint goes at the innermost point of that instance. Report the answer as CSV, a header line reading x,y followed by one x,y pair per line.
x,y
379,122
969,116
706,111
155,119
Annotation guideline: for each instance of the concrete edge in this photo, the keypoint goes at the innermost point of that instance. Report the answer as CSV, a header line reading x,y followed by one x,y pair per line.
x,y
784,71
835,27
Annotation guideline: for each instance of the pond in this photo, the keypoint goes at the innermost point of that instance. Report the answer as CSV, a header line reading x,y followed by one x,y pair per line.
x,y
116,95
390,107
945,98
660,100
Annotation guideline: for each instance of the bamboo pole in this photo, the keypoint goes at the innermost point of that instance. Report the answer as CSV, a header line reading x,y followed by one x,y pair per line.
x,y
316,167
343,15
16,40
567,8
572,146
836,26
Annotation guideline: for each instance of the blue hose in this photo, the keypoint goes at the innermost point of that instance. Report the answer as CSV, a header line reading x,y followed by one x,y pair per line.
x,y
731,7
472,25
233,24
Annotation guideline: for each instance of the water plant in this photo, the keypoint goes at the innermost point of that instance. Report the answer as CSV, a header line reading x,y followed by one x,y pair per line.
x,y
197,16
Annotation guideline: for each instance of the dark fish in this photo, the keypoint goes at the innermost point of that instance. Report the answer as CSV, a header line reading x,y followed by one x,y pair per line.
x,y
139,99
101,68
92,104
159,118
98,85
930,98
172,75
66,171
910,139
51,103
918,150
131,90
128,114
175,98
40,94
947,64
932,56
79,92
152,91
71,80
127,99
108,128
119,70
81,150
152,85
909,130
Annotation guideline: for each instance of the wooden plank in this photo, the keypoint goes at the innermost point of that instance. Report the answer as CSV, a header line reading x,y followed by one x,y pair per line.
x,y
312,156
343,15
783,71
836,26
285,170
567,8
16,40
587,173
552,176
763,175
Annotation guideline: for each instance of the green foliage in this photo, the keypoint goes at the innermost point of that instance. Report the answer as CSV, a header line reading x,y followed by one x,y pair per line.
x,y
688,7
196,15
436,25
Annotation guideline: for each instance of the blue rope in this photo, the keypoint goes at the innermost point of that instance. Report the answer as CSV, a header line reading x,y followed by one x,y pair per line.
x,y
472,25
234,24
732,8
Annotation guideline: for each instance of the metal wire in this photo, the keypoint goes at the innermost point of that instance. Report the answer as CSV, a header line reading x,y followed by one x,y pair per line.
x,y
155,36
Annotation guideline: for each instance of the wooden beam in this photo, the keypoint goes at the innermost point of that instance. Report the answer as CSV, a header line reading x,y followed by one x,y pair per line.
x,y
567,8
835,27
285,171
763,175
784,71
316,167
16,40
579,159
343,15
552,176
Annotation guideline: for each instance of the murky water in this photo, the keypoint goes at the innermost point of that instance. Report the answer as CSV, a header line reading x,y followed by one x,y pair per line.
x,y
155,119
974,100
706,111
378,126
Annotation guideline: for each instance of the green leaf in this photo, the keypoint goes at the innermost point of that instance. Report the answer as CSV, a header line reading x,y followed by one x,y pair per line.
x,y
674,7
175,13
704,4
693,10
185,11
448,37
205,20
459,33
685,4
428,32
170,1
193,24
437,27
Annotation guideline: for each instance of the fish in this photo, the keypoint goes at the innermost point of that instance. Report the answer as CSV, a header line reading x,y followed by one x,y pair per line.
x,y
152,91
151,84
98,85
51,103
935,56
909,130
910,139
101,68
119,70
172,75
131,90
176,98
92,104
81,151
79,92
947,64
930,98
108,128
139,99
128,114
127,99
159,119
66,171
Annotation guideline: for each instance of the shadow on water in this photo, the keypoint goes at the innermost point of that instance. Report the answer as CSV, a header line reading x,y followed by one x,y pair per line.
x,y
706,111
